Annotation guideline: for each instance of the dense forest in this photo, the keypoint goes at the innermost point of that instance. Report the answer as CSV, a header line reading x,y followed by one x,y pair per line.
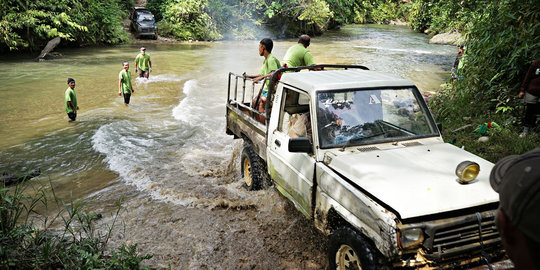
x,y
28,25
502,38
233,19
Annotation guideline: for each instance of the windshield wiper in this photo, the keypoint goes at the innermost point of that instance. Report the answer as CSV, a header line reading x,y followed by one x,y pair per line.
x,y
396,127
354,138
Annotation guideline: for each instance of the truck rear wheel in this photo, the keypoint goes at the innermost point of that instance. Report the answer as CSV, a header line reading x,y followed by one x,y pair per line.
x,y
252,169
348,250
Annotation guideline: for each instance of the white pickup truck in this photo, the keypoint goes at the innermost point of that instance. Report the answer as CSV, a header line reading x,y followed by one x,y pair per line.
x,y
359,154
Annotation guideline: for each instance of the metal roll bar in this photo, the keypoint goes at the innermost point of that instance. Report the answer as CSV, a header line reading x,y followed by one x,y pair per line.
x,y
271,86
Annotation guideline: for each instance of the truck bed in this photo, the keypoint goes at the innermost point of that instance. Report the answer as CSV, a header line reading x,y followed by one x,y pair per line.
x,y
241,124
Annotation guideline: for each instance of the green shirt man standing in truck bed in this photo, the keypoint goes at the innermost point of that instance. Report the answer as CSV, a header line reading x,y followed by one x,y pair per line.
x,y
298,55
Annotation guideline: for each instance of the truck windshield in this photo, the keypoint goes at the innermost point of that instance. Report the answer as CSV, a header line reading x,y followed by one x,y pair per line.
x,y
357,117
146,18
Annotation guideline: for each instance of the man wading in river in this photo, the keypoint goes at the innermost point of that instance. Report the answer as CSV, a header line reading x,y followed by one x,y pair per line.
x,y
143,63
124,83
71,100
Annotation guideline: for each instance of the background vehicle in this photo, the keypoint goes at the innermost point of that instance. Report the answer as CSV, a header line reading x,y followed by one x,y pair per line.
x,y
368,166
143,23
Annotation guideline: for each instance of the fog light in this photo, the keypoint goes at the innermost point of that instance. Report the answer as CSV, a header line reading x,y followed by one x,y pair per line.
x,y
467,171
411,238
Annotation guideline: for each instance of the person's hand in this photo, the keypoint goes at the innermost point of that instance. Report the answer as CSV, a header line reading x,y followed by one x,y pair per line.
x,y
119,93
135,70
150,70
132,90
521,94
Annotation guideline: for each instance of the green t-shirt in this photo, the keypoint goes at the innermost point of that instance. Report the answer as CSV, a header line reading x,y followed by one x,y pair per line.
x,y
70,96
297,56
142,61
270,64
126,81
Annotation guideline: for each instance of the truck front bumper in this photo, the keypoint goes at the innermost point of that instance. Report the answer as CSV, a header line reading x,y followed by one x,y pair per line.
x,y
454,242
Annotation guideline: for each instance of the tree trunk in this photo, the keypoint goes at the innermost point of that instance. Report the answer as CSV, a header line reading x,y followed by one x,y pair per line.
x,y
50,46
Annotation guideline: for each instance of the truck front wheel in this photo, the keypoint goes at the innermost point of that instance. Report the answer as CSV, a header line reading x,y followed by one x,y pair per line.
x,y
252,169
348,250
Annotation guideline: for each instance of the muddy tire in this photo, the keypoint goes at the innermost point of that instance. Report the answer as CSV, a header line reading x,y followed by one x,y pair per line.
x,y
347,249
253,169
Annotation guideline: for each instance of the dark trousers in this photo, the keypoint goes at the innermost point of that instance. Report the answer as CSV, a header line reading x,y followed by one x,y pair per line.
x,y
127,97
144,73
531,114
72,116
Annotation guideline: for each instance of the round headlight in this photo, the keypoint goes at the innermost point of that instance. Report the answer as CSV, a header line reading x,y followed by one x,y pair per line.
x,y
411,238
467,171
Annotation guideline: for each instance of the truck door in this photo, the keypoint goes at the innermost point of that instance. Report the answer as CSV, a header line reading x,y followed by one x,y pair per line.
x,y
292,172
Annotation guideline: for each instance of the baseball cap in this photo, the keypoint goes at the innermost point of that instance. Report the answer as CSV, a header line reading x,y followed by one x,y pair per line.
x,y
517,180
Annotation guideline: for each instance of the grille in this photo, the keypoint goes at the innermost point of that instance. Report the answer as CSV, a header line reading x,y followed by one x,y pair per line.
x,y
411,144
147,30
462,236
367,149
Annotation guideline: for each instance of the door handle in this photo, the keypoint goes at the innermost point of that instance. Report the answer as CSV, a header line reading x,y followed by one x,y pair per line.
x,y
278,143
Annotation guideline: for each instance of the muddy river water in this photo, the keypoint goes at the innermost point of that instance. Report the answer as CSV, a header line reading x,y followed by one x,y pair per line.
x,y
167,155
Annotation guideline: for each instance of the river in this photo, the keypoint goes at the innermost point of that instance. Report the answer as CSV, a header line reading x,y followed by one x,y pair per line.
x,y
167,156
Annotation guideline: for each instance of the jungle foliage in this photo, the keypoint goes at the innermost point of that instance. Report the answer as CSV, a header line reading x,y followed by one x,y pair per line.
x,y
442,16
29,25
503,39
249,19
68,240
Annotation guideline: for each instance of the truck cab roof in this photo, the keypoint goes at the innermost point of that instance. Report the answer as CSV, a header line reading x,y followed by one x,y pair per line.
x,y
341,79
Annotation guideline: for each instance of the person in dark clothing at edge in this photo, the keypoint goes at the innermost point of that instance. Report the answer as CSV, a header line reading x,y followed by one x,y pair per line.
x,y
458,64
517,180
530,91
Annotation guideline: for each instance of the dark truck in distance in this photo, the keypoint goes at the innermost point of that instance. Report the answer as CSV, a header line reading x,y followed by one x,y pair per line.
x,y
143,23
359,154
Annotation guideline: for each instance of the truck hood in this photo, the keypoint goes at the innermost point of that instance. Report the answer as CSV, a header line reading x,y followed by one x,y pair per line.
x,y
417,180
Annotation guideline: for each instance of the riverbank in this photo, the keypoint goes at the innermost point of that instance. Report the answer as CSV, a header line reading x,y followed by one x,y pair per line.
x,y
489,81
31,240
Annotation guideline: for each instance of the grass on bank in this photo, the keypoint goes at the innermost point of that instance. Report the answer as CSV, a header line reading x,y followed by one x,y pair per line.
x,y
29,241
461,114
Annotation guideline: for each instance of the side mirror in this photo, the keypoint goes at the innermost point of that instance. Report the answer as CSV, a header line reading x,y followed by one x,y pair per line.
x,y
439,126
300,145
